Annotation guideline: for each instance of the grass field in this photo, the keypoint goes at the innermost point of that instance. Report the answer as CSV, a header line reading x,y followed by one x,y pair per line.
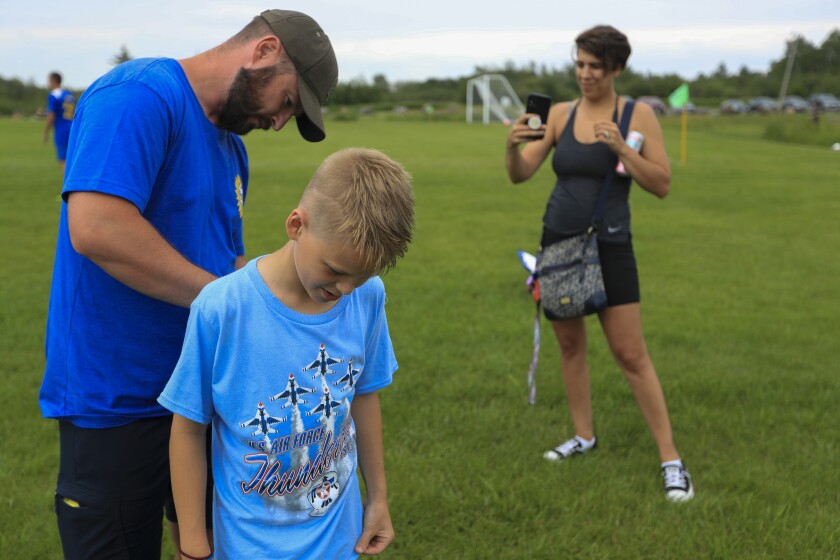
x,y
739,269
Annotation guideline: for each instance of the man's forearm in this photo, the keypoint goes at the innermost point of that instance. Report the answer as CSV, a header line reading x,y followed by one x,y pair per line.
x,y
112,233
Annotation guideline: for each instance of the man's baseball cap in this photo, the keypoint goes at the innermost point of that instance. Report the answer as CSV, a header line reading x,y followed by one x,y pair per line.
x,y
312,54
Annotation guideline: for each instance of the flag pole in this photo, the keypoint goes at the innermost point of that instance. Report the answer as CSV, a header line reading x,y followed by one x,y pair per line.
x,y
679,100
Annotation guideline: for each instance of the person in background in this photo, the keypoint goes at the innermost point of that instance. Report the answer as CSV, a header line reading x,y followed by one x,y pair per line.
x,y
585,137
154,192
61,104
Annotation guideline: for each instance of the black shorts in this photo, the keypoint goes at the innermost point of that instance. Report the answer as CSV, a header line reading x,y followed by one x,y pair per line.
x,y
618,267
112,486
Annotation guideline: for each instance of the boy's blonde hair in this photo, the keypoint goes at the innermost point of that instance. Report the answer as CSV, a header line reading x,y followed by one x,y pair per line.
x,y
364,198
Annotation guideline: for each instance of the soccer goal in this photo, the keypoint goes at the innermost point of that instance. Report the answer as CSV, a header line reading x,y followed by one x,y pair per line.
x,y
498,100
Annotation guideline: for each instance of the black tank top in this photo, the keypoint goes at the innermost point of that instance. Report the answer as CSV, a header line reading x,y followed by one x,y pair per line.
x,y
581,170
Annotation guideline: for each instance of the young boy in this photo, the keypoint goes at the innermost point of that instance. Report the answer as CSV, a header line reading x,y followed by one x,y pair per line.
x,y
284,357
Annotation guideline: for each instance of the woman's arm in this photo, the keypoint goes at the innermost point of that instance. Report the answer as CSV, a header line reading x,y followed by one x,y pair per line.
x,y
521,164
650,168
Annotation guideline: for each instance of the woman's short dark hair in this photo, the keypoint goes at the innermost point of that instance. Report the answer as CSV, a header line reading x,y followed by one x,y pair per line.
x,y
606,43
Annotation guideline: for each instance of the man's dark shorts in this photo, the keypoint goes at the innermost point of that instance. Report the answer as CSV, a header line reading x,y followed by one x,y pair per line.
x,y
113,484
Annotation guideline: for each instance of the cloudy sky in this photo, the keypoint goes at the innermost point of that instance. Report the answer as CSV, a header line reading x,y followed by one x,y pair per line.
x,y
411,40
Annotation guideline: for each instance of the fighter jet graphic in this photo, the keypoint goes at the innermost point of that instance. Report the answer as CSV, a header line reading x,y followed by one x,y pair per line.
x,y
292,392
263,420
326,408
350,377
322,363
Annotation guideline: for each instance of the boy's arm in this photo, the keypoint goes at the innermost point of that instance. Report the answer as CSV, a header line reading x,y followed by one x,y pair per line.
x,y
188,466
377,531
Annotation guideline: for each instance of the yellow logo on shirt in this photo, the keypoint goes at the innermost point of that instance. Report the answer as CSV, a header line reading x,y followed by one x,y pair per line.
x,y
240,198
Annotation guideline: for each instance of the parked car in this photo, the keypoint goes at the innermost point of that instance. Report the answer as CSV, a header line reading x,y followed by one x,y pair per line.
x,y
690,108
655,103
794,104
763,105
825,101
733,107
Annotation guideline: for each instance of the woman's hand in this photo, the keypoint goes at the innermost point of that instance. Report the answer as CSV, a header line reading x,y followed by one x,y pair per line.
x,y
520,132
607,133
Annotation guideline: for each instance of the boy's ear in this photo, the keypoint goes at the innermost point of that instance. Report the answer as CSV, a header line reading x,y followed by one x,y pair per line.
x,y
295,222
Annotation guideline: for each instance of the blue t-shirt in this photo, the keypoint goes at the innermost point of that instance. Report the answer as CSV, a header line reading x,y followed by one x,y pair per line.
x,y
62,104
139,134
278,386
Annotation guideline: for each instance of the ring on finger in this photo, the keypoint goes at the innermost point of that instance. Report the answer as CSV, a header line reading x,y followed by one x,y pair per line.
x,y
607,134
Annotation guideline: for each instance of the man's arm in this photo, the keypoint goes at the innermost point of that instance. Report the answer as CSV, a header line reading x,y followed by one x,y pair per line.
x,y
188,467
112,232
377,531
48,125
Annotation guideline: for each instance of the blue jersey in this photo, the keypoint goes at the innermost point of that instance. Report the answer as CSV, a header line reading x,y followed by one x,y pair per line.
x,y
278,387
139,134
62,104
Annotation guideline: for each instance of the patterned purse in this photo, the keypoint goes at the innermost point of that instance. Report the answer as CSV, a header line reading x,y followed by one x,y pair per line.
x,y
569,273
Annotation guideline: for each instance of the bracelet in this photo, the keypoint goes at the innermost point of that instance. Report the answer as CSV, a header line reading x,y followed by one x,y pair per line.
x,y
185,555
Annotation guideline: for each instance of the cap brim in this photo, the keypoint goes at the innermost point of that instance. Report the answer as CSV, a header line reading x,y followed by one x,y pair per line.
x,y
311,123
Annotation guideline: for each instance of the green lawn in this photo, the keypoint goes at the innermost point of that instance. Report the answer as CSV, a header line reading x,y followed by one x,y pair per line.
x,y
739,269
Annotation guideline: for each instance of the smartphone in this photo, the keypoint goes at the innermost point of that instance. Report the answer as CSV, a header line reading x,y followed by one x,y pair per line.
x,y
537,104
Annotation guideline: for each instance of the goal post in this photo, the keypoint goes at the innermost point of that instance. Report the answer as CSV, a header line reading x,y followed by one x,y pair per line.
x,y
497,99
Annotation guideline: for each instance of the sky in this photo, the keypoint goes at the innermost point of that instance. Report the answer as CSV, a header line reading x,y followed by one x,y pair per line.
x,y
410,40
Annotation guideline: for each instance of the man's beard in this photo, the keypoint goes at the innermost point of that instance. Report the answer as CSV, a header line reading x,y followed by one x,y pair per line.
x,y
240,113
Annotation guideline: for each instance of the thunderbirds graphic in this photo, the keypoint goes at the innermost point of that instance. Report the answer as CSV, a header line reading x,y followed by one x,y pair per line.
x,y
292,393
326,408
349,379
263,420
323,363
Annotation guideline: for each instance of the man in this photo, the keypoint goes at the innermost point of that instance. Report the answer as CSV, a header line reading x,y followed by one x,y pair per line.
x,y
155,182
60,107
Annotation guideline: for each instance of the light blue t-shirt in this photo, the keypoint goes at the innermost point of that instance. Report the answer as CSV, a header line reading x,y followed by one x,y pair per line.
x,y
278,386
139,134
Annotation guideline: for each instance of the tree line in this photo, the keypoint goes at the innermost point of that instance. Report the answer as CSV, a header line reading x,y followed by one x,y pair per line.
x,y
816,69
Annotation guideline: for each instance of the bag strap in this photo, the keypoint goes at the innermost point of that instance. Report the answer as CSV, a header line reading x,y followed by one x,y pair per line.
x,y
598,215
535,358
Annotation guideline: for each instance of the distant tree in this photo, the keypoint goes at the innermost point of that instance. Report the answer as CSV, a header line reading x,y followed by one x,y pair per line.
x,y
380,82
355,92
19,97
122,56
721,72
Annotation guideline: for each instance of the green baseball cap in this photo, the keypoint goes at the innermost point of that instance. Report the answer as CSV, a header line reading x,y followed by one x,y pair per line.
x,y
312,54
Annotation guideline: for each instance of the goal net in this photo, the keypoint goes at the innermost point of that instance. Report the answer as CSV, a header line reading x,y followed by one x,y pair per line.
x,y
494,97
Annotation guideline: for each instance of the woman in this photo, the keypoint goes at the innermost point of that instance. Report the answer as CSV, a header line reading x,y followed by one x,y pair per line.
x,y
585,135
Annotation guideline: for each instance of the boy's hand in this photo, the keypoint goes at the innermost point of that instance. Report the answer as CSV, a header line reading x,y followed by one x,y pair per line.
x,y
377,532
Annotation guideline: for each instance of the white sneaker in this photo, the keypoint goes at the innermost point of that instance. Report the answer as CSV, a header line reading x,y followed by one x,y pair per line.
x,y
568,449
678,486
